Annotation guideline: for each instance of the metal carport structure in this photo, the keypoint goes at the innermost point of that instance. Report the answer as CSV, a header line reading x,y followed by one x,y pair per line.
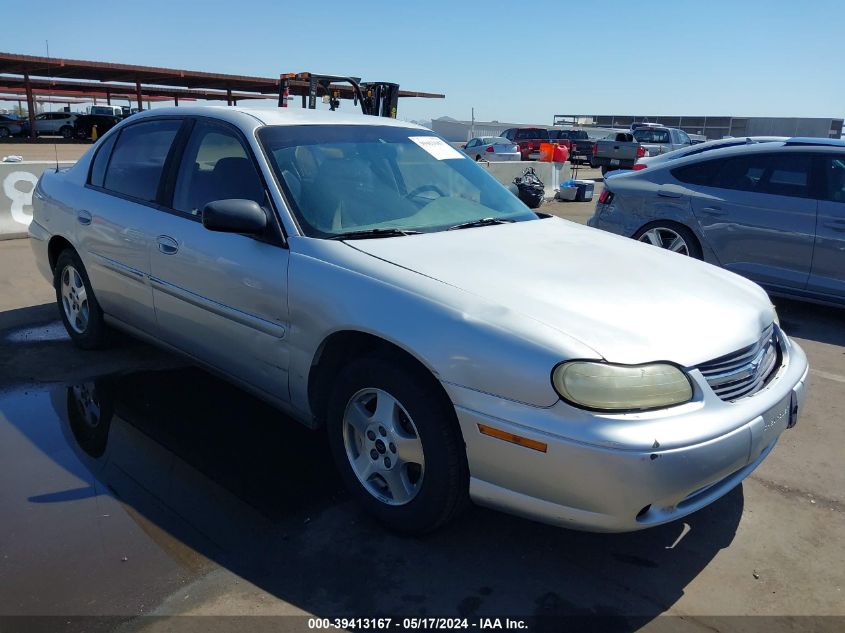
x,y
47,75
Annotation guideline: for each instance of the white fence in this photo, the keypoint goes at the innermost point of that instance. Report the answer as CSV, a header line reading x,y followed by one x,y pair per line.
x,y
17,182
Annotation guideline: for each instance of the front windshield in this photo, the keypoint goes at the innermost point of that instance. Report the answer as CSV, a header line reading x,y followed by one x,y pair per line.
x,y
347,178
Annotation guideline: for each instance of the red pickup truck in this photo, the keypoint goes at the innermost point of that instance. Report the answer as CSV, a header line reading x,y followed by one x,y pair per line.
x,y
528,139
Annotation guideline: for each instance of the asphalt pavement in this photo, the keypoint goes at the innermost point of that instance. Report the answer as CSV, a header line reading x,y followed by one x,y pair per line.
x,y
201,500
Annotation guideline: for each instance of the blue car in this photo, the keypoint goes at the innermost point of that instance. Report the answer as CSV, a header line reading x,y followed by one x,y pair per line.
x,y
772,212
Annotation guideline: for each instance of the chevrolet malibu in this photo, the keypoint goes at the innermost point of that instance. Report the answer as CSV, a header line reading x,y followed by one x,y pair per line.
x,y
363,275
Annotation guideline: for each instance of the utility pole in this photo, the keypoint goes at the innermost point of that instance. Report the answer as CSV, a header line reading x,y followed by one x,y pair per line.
x,y
472,125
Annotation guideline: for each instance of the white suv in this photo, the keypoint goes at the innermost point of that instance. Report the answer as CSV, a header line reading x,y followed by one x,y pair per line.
x,y
55,123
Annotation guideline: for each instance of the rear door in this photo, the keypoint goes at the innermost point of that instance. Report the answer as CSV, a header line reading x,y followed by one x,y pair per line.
x,y
828,271
221,297
116,217
758,214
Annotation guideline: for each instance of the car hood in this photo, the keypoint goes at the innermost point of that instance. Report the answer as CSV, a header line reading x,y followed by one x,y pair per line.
x,y
628,301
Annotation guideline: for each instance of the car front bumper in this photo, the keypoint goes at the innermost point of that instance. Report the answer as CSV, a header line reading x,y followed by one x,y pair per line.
x,y
591,480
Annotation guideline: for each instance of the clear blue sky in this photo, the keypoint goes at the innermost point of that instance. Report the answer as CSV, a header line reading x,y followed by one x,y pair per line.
x,y
511,61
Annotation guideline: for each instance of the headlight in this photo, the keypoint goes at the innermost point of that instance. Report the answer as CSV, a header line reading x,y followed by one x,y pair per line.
x,y
606,387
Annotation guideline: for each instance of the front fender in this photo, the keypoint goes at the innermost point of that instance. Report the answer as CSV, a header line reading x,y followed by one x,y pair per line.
x,y
462,339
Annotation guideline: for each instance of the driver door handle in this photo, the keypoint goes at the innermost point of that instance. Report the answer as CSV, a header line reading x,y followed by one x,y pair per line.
x,y
713,211
84,217
167,245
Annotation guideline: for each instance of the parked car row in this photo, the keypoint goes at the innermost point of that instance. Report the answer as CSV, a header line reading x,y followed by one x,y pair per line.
x,y
65,124
770,209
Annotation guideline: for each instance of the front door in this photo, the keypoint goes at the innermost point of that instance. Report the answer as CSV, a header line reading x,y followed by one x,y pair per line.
x,y
828,273
221,297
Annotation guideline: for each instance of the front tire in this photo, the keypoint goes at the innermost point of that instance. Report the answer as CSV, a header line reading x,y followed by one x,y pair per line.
x,y
67,132
396,441
80,311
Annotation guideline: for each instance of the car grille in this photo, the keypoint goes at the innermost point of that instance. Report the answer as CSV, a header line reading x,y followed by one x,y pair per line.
x,y
745,372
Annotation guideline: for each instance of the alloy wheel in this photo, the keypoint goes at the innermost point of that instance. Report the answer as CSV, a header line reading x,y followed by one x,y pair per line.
x,y
665,238
383,446
74,299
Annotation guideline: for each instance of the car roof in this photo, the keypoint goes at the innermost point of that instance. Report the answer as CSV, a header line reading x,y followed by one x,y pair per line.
x,y
255,117
708,147
805,140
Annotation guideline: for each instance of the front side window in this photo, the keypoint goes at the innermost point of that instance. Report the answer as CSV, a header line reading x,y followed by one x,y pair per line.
x,y
137,160
215,166
345,178
684,138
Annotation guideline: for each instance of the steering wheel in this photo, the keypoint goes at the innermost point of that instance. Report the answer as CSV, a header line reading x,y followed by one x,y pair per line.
x,y
423,188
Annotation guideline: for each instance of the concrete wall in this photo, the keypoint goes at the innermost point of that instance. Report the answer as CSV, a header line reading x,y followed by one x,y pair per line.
x,y
552,174
17,182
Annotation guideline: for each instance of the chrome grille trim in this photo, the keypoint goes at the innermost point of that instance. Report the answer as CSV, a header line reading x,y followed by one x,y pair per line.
x,y
746,371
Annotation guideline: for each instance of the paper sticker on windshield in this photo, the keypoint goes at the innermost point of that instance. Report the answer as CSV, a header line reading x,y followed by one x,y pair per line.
x,y
437,147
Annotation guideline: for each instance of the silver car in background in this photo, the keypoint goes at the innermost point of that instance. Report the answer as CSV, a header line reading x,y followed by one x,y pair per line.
x,y
365,276
773,212
492,148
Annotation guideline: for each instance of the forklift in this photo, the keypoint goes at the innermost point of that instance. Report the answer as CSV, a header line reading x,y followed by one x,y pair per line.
x,y
376,98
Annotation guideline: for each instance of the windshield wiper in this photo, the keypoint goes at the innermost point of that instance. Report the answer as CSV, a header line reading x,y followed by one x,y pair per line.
x,y
481,222
371,233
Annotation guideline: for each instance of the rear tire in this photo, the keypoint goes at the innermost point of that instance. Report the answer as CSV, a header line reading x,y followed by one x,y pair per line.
x,y
79,309
396,441
4,132
66,132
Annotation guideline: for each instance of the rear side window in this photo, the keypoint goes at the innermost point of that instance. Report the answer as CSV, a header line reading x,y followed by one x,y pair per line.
x,y
101,160
138,157
698,173
834,179
743,173
774,174
787,175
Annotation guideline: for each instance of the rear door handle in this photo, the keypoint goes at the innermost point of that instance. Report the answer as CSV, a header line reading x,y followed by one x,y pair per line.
x,y
713,211
167,245
84,217
836,225
666,193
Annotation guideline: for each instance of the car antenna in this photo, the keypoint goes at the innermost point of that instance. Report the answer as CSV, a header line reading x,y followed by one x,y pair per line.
x,y
50,75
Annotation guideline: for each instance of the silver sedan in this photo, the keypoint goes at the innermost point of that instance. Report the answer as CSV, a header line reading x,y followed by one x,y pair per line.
x,y
365,276
492,148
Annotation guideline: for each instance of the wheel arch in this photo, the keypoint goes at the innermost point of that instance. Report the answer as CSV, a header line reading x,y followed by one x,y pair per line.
x,y
337,349
55,247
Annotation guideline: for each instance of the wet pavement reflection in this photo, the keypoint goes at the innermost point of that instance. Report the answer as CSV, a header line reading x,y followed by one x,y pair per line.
x,y
144,478
120,491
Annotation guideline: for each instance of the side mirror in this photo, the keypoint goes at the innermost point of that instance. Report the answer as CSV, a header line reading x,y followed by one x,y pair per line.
x,y
234,216
463,146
